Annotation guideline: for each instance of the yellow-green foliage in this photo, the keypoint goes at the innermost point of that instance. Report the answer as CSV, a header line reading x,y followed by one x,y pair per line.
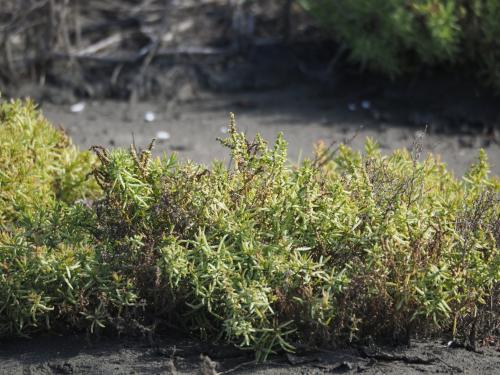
x,y
48,272
394,36
38,163
264,253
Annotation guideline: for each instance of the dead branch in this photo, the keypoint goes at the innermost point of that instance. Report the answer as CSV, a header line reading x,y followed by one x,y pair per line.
x,y
38,37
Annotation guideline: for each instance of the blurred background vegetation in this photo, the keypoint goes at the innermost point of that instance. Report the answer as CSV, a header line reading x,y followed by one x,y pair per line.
x,y
397,36
70,42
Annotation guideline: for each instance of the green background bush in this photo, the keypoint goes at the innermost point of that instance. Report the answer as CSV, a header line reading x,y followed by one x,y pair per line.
x,y
263,254
397,36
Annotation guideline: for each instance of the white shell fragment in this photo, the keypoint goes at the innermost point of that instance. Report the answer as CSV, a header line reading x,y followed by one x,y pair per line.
x,y
77,107
419,134
162,135
149,116
224,129
366,104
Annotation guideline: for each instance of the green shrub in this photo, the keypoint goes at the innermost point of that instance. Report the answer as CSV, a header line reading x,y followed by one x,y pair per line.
x,y
39,166
395,36
57,288
49,275
264,254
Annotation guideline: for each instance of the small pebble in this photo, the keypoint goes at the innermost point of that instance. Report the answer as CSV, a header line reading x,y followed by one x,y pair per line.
x,y
77,107
162,135
419,134
149,116
366,104
352,107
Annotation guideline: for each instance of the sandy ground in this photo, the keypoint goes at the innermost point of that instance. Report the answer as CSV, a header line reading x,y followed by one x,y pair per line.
x,y
75,355
304,114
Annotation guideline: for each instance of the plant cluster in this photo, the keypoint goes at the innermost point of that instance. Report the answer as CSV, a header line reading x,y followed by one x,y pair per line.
x,y
395,36
262,254
49,275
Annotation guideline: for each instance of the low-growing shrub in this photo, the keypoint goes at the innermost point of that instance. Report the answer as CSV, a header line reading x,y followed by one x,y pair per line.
x,y
394,36
265,254
39,165
49,275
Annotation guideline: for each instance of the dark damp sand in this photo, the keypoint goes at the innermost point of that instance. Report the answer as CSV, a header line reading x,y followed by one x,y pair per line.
x,y
75,355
